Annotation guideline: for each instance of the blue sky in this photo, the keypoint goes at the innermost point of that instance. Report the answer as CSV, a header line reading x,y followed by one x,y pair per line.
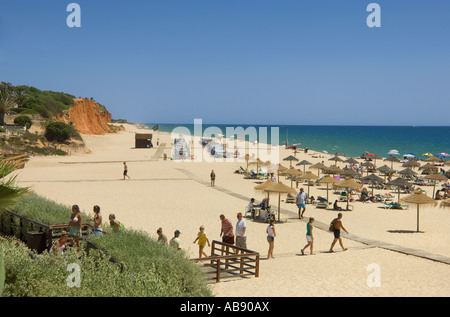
x,y
238,61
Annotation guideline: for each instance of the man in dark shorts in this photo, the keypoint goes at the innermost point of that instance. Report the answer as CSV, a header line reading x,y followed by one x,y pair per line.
x,y
337,226
125,170
226,232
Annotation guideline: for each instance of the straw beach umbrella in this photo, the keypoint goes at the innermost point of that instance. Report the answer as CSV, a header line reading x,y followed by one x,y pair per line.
x,y
350,173
419,198
291,172
392,159
304,163
368,165
407,172
280,188
333,169
375,157
411,163
328,180
399,182
347,184
433,159
351,161
436,177
309,176
319,167
280,169
336,159
290,158
372,179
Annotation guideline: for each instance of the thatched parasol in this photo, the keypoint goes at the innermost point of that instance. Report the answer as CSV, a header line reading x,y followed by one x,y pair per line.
x,y
336,159
392,159
328,180
309,176
280,188
333,169
304,163
319,167
347,184
419,198
351,161
350,173
407,172
290,158
433,159
291,172
436,177
372,179
411,163
375,158
399,182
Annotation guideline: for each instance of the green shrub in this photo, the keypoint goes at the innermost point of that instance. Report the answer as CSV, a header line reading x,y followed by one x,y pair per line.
x,y
2,274
60,132
150,268
23,121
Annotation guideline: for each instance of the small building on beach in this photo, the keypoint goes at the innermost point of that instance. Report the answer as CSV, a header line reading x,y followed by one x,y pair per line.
x,y
143,140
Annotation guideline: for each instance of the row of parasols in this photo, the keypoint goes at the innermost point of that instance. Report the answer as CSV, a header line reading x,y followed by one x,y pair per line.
x,y
348,183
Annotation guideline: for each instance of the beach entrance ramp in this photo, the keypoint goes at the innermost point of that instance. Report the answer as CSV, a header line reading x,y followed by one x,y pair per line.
x,y
229,262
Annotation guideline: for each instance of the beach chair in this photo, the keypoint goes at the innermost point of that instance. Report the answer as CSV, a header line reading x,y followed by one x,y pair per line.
x,y
394,205
290,199
343,196
322,204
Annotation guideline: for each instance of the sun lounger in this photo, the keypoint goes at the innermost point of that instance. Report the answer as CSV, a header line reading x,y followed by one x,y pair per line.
x,y
395,206
290,199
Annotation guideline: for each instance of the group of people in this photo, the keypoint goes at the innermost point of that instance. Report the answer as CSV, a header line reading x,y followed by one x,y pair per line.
x,y
442,194
75,226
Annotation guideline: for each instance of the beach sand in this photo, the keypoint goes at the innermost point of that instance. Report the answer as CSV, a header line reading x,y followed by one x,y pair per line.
x,y
176,195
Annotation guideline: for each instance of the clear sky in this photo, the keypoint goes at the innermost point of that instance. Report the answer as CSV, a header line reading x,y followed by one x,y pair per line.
x,y
238,61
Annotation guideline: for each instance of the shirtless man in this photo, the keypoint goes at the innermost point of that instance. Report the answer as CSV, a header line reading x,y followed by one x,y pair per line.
x,y
125,170
337,226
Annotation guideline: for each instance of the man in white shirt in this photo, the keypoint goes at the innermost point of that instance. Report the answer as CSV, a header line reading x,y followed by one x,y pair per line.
x,y
301,203
241,227
251,207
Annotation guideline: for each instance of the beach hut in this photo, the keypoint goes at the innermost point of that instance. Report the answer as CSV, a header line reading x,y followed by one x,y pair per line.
x,y
348,183
328,180
436,178
419,198
304,163
143,140
280,188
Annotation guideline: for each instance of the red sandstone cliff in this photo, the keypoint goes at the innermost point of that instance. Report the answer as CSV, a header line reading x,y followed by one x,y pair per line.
x,y
87,117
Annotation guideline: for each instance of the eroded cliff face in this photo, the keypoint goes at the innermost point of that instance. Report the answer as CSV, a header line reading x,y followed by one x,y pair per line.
x,y
86,117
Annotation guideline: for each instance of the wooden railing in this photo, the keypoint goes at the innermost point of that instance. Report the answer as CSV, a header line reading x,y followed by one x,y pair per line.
x,y
17,160
230,260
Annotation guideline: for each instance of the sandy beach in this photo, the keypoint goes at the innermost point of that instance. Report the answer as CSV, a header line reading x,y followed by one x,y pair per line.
x,y
173,195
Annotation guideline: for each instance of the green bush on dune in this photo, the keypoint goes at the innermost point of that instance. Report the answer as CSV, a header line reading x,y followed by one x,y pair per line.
x,y
150,269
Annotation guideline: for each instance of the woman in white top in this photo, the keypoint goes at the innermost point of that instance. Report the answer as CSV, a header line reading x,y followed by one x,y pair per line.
x,y
271,234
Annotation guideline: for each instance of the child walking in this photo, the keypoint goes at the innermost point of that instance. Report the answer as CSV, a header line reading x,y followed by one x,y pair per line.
x,y
202,240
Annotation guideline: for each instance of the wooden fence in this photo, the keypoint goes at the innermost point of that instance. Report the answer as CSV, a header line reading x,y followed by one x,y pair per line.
x,y
227,260
17,160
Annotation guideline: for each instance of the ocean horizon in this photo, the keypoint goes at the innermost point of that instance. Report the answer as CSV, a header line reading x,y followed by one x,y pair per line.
x,y
348,140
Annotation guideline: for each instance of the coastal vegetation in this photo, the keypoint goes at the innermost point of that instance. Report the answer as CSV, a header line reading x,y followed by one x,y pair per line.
x,y
149,269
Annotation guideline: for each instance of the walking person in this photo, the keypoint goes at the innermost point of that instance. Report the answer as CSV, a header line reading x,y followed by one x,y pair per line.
x,y
175,242
97,230
300,201
271,234
161,237
125,170
241,228
75,224
226,231
309,236
213,178
202,240
336,225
